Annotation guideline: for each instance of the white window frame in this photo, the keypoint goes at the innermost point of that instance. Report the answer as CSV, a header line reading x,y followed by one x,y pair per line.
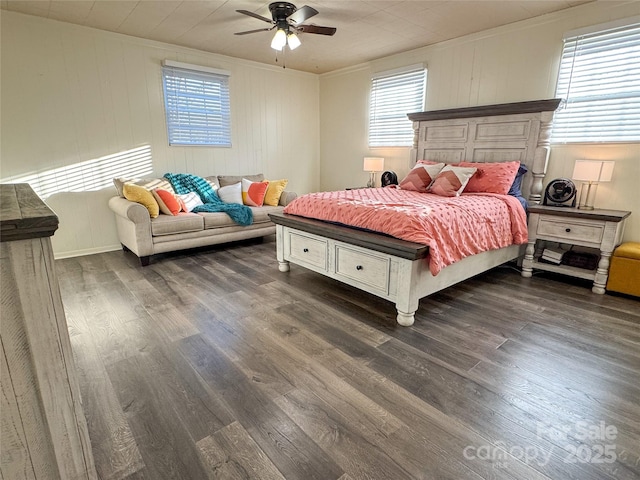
x,y
394,94
197,105
599,81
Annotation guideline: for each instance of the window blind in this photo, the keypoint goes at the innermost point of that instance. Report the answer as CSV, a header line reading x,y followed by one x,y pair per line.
x,y
599,79
196,105
393,96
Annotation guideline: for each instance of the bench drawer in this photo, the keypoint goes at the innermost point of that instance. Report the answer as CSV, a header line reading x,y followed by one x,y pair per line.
x,y
307,250
364,268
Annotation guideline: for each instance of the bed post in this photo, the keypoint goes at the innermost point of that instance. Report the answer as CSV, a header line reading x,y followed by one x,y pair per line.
x,y
283,265
541,157
413,155
407,300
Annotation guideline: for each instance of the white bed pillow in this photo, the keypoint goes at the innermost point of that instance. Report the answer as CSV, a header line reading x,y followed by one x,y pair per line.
x,y
231,193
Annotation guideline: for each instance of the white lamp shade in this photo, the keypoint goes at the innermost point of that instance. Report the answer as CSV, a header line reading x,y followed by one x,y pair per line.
x,y
279,40
373,164
593,171
293,41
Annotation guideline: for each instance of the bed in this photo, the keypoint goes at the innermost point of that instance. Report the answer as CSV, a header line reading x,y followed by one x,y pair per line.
x,y
398,270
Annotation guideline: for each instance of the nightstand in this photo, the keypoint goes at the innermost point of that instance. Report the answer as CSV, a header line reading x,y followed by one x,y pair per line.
x,y
598,229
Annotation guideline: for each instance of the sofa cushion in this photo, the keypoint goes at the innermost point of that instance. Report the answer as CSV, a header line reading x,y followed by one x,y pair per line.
x,y
261,214
213,181
148,183
216,220
225,180
222,220
181,223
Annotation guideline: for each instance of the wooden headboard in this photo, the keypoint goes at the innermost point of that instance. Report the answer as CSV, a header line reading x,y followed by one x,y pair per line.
x,y
491,133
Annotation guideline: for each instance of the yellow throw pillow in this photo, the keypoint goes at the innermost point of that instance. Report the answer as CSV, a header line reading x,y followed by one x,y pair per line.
x,y
135,193
274,190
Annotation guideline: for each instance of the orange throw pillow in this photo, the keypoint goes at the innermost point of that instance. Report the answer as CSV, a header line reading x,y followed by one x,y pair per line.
x,y
167,201
253,192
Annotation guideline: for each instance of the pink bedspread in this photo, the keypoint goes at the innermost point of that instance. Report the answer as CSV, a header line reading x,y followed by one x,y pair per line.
x,y
452,227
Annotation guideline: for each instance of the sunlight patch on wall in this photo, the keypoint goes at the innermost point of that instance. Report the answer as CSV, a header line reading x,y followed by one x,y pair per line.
x,y
90,175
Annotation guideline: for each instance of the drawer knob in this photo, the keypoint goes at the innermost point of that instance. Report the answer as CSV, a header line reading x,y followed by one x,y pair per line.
x,y
567,230
358,267
305,250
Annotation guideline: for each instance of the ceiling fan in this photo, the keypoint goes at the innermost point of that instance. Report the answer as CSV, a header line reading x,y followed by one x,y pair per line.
x,y
288,20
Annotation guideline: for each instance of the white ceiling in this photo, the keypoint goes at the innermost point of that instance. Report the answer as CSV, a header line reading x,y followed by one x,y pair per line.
x,y
367,29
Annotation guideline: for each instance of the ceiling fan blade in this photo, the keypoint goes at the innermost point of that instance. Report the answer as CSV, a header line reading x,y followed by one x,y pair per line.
x,y
316,29
255,31
302,14
255,15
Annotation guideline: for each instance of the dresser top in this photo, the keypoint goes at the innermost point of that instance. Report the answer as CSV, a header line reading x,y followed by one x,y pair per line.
x,y
23,214
595,214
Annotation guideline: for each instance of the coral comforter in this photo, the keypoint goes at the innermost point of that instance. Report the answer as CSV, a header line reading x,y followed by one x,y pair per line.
x,y
452,227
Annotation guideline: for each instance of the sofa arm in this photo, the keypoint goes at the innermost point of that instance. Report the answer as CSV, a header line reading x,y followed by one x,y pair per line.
x,y
133,224
286,198
133,211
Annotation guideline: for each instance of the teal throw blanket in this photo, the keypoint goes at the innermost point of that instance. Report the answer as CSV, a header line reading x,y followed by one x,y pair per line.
x,y
184,183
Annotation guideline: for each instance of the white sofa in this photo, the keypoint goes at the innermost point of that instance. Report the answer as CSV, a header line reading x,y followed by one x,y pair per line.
x,y
146,236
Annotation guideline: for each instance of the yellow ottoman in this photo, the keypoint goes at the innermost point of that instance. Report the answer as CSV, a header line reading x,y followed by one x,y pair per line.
x,y
624,273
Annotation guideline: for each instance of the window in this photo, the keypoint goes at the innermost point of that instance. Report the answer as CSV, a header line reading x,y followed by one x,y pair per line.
x,y
394,94
600,80
196,105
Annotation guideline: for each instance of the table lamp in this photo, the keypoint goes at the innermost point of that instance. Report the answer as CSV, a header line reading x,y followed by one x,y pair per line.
x,y
590,172
373,165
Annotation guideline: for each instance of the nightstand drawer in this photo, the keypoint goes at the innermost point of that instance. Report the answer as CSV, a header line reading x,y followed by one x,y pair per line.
x,y
308,250
571,230
365,268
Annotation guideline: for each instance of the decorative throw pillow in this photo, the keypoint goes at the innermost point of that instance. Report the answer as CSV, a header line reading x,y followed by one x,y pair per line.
x,y
141,195
274,190
190,201
231,193
494,177
421,176
253,192
451,181
167,201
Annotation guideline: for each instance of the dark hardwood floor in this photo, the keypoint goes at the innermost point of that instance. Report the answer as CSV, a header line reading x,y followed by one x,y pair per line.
x,y
214,365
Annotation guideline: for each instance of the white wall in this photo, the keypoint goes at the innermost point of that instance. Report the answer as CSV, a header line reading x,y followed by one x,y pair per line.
x,y
517,62
71,95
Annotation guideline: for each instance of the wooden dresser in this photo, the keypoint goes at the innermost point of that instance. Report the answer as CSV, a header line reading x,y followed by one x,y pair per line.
x,y
43,429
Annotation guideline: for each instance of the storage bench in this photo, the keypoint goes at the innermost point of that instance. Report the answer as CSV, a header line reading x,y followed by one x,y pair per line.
x,y
624,273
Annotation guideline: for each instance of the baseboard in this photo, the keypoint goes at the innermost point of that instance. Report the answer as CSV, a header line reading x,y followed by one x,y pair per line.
x,y
88,251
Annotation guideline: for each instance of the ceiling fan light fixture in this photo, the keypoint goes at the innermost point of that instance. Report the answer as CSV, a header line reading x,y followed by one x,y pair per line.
x,y
279,40
293,41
